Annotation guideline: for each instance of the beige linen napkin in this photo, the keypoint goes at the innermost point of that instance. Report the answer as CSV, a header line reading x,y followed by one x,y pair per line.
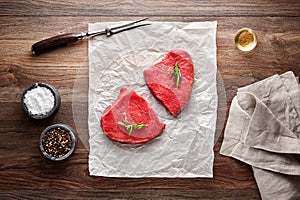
x,y
263,130
277,186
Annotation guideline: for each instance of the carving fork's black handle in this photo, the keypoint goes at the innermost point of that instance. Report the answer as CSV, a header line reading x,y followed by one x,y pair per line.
x,y
54,42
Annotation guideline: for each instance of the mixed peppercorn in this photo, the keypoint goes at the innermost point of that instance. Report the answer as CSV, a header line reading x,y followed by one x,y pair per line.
x,y
57,142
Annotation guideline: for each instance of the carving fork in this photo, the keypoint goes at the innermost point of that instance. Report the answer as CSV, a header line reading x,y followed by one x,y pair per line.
x,y
68,38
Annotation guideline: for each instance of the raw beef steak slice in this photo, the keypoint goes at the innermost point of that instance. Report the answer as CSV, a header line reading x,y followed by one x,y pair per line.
x,y
161,80
130,119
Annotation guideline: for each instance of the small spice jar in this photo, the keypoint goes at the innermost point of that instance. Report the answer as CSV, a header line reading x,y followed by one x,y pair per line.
x,y
57,142
40,100
245,39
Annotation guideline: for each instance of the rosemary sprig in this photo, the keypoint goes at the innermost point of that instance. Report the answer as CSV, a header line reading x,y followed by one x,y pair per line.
x,y
177,75
131,126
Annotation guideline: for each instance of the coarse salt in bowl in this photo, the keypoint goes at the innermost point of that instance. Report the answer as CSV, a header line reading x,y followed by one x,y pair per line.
x,y
40,101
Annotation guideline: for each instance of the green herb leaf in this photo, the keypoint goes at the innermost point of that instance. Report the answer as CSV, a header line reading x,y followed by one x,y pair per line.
x,y
177,75
131,126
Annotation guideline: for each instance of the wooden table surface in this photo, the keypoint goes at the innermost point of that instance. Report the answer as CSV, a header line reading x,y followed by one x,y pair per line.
x,y
25,173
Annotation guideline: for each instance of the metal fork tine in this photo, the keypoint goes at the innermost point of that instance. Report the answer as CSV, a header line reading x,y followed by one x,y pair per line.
x,y
126,28
117,29
129,24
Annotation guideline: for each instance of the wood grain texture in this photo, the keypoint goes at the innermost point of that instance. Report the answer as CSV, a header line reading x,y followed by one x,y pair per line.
x,y
150,8
25,173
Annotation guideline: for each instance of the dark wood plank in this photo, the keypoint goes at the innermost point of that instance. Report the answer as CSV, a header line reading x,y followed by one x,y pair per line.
x,y
167,194
151,8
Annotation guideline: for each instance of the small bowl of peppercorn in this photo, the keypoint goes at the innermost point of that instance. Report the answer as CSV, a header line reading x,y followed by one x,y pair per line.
x,y
57,142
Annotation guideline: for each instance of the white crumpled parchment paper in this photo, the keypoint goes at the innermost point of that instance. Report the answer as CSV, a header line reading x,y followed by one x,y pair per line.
x,y
185,148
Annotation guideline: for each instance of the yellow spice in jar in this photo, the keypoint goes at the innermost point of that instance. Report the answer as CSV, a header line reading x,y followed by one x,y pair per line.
x,y
245,38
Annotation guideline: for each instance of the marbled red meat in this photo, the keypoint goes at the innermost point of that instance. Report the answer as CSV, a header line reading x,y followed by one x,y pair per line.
x,y
162,85
131,108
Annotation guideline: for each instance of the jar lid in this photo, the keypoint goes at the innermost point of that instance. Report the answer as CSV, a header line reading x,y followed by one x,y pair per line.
x,y
40,101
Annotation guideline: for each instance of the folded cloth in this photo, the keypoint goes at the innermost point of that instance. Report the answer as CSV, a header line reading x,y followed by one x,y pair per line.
x,y
263,130
277,186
